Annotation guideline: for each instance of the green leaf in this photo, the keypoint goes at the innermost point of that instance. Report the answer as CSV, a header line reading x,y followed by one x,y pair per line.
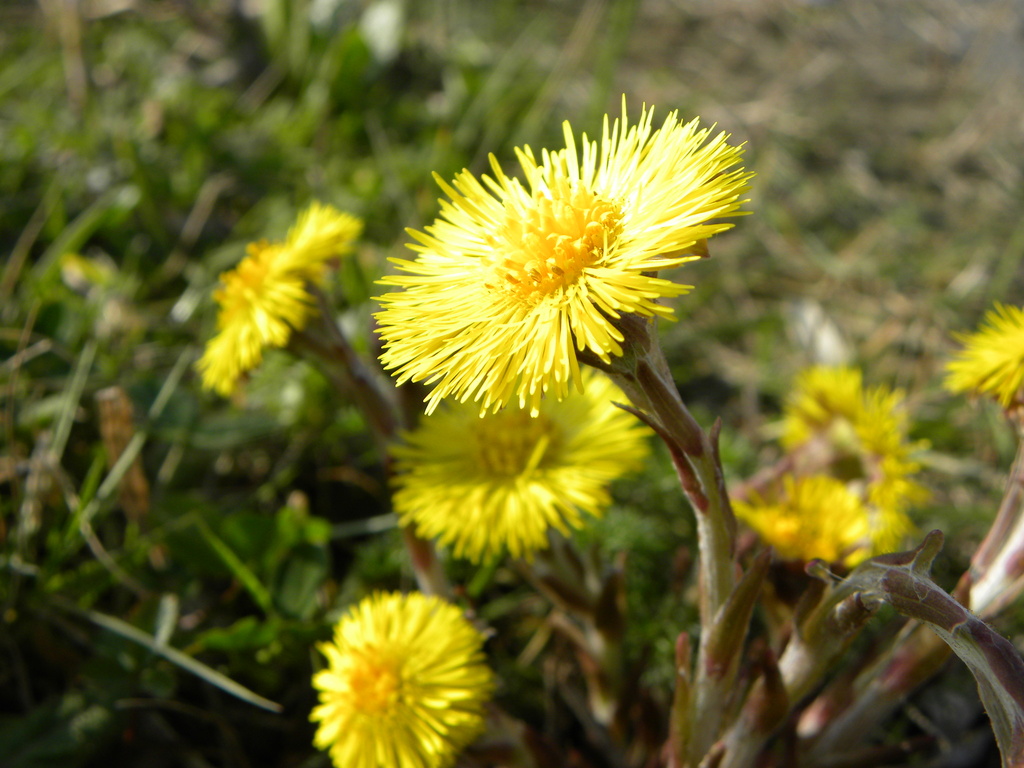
x,y
246,634
301,576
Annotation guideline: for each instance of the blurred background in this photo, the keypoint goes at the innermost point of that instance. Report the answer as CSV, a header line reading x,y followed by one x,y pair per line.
x,y
144,143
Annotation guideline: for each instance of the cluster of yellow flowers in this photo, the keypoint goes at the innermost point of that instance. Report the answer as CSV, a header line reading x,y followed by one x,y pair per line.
x,y
509,283
512,284
850,486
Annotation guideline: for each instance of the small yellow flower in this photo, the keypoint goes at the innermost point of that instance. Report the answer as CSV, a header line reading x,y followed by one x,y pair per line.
x,y
265,298
851,484
831,407
405,684
824,400
992,360
812,517
484,484
822,517
514,277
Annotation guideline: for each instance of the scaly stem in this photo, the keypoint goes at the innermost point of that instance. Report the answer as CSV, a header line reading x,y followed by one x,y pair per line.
x,y
644,376
993,581
998,565
695,456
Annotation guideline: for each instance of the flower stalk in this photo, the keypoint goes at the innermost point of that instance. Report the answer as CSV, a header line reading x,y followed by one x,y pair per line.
x,y
997,569
917,654
902,580
349,373
643,374
329,347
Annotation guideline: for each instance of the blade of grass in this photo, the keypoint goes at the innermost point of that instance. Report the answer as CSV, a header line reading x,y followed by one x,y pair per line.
x,y
85,511
24,244
48,451
131,451
238,569
374,524
75,234
173,655
72,394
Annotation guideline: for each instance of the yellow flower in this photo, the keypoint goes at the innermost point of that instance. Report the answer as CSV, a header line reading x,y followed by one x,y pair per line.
x,y
264,298
514,276
824,399
812,517
992,360
832,407
851,485
405,684
822,517
484,484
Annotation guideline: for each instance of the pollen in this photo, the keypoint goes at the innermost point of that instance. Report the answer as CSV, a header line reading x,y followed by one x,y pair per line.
x,y
544,250
512,444
375,684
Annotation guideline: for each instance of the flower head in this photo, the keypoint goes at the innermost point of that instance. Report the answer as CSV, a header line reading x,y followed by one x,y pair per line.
x,y
484,484
992,360
405,684
824,400
812,517
823,517
851,484
514,277
831,405
265,297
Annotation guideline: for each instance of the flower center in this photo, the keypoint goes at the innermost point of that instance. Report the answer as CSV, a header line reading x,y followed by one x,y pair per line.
x,y
512,444
544,248
243,285
374,683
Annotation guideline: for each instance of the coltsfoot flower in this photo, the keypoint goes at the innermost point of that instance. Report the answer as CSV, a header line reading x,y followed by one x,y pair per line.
x,y
831,407
851,485
265,297
822,517
811,517
992,360
515,276
405,684
486,484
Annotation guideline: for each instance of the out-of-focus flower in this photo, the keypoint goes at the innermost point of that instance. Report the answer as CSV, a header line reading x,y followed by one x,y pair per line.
x,y
265,297
812,517
514,277
405,684
485,484
822,517
992,360
823,400
851,484
831,408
